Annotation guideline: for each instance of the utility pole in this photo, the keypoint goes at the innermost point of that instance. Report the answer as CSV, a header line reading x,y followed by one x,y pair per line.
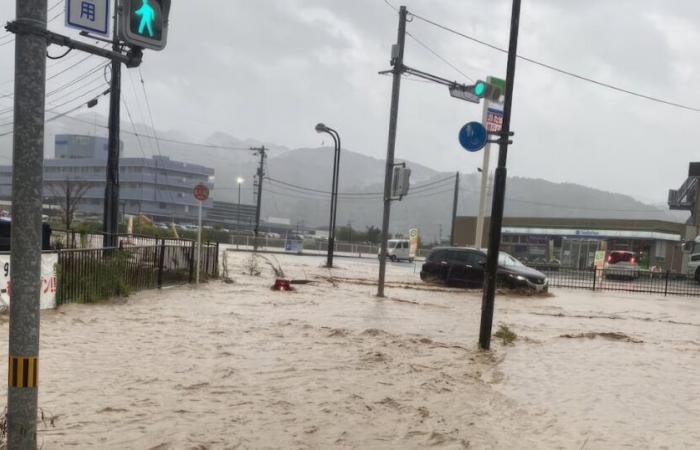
x,y
110,225
398,68
27,182
262,151
487,305
454,209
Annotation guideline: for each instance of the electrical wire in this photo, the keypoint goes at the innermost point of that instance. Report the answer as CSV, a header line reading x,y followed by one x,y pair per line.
x,y
423,188
441,58
58,114
557,69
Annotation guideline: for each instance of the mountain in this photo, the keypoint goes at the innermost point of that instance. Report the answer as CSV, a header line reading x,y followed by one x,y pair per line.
x,y
298,182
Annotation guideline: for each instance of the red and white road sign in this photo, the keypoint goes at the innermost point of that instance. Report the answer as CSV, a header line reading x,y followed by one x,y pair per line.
x,y
201,192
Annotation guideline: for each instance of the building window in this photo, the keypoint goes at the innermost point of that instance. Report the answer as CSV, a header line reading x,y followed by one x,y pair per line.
x,y
162,205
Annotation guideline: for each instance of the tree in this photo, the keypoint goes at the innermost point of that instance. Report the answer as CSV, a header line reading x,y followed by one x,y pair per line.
x,y
67,195
374,234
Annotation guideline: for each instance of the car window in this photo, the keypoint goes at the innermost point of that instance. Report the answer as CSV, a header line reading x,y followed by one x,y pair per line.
x,y
460,257
616,257
438,255
475,259
404,245
505,260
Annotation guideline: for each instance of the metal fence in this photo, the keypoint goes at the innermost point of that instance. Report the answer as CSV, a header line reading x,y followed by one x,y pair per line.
x,y
75,240
89,275
643,281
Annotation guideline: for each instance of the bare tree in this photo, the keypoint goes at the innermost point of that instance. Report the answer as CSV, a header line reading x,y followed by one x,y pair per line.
x,y
67,195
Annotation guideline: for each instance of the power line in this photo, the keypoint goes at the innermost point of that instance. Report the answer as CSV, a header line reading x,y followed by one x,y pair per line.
x,y
559,70
425,46
60,114
424,188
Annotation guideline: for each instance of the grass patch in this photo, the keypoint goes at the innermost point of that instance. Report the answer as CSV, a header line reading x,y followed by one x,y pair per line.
x,y
506,335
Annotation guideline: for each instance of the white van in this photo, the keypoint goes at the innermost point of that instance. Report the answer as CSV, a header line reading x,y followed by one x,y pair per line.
x,y
397,249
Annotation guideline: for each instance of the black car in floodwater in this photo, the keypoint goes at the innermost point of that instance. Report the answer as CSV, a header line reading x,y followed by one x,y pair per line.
x,y
466,266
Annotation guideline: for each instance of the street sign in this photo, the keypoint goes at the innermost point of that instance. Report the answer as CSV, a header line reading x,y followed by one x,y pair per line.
x,y
494,120
500,84
88,15
473,136
201,192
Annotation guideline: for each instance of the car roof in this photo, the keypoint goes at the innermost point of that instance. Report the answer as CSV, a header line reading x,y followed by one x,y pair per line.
x,y
622,251
482,250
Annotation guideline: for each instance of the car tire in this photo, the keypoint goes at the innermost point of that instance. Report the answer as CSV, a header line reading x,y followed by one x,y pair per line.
x,y
393,258
697,274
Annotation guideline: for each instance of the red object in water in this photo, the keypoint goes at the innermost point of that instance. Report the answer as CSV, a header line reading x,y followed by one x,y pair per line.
x,y
282,285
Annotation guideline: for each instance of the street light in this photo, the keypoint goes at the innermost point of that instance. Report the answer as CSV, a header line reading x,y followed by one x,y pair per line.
x,y
239,182
321,128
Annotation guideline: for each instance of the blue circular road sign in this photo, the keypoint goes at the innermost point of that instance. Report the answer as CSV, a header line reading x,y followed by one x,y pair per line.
x,y
473,136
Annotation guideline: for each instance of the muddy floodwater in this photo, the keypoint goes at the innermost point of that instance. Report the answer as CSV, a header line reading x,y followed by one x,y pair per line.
x,y
331,366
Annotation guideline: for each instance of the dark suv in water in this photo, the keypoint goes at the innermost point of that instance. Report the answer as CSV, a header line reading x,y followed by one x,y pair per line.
x,y
465,266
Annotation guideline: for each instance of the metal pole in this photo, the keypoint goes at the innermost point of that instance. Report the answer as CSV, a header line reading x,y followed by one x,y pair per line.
x,y
487,305
397,61
455,200
334,205
331,225
199,243
479,237
111,201
337,182
238,211
27,182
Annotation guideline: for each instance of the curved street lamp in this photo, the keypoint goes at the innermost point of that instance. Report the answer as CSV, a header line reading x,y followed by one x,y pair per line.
x,y
321,128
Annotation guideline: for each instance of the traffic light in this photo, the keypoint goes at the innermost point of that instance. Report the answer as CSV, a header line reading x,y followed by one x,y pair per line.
x,y
144,23
486,90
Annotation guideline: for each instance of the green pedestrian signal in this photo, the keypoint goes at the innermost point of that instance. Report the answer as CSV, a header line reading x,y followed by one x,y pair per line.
x,y
147,16
144,23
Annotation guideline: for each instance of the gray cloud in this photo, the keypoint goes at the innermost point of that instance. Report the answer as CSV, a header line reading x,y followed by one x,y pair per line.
x,y
271,69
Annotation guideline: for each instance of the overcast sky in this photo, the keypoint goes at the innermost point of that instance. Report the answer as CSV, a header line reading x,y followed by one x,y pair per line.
x,y
272,69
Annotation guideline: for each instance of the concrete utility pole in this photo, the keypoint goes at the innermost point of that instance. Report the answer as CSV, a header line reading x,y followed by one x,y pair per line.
x,y
262,151
27,183
455,200
499,193
110,224
397,63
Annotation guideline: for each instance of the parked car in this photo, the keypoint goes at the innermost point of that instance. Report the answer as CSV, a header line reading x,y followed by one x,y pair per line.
x,y
466,266
397,249
622,264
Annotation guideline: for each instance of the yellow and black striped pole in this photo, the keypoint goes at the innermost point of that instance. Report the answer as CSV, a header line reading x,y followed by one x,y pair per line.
x,y
23,372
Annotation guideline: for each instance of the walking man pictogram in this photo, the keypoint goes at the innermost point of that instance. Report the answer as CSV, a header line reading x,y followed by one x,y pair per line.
x,y
148,15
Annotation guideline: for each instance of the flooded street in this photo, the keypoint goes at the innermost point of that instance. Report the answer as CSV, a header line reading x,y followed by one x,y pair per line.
x,y
331,366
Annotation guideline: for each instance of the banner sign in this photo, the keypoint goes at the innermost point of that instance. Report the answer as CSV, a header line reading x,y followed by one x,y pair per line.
x,y
49,282
413,235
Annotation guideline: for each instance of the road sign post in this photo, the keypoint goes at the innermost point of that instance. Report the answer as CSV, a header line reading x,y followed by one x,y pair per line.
x,y
493,121
201,193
